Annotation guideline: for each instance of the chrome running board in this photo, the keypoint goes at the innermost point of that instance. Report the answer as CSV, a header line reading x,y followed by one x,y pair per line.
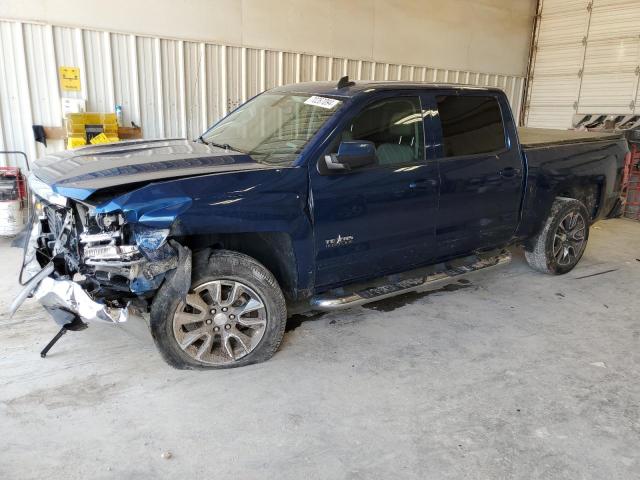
x,y
427,281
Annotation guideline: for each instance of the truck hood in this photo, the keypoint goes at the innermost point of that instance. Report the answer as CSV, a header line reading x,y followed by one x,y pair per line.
x,y
80,173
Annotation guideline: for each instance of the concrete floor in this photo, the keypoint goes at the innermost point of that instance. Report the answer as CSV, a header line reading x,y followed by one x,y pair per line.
x,y
515,375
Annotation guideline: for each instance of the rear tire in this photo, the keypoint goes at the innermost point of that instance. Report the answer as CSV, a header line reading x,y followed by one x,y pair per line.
x,y
558,248
234,315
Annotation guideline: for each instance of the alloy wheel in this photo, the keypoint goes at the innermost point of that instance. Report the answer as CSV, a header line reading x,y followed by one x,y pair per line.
x,y
220,322
569,239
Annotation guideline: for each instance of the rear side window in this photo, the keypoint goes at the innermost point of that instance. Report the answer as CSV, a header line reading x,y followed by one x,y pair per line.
x,y
471,125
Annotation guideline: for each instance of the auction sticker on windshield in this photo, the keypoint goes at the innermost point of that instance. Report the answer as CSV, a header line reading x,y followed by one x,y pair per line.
x,y
323,102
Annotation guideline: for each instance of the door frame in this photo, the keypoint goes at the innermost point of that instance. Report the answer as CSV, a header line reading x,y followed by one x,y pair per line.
x,y
352,110
511,144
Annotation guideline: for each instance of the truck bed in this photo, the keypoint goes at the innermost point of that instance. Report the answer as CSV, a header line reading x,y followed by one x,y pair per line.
x,y
545,137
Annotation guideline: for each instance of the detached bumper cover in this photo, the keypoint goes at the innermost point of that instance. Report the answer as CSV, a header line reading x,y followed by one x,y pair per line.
x,y
66,300
63,299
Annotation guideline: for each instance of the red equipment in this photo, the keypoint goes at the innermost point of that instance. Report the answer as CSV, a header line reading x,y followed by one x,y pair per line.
x,y
631,183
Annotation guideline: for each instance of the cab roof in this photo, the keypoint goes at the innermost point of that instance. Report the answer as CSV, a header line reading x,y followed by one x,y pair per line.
x,y
359,87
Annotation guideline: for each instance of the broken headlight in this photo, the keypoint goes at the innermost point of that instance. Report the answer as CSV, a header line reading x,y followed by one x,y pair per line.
x,y
42,190
149,239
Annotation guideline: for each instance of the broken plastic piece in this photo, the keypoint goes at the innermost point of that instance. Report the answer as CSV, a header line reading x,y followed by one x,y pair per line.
x,y
69,297
28,288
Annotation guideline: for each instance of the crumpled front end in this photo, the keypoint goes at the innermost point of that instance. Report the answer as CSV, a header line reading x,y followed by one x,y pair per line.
x,y
93,266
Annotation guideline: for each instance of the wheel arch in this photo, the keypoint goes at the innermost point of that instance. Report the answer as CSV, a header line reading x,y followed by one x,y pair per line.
x,y
589,193
273,249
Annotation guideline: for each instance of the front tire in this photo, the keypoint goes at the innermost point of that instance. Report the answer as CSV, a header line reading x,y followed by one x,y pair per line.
x,y
234,315
558,248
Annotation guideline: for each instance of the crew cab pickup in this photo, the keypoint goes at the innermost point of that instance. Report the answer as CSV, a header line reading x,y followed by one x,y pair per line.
x,y
309,197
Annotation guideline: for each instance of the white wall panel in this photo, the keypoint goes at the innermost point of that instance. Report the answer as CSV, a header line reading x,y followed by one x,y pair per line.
x,y
234,77
337,69
352,69
272,69
43,77
587,61
15,102
367,71
289,68
172,68
148,60
194,56
169,87
4,159
253,73
99,73
323,69
125,77
306,68
215,83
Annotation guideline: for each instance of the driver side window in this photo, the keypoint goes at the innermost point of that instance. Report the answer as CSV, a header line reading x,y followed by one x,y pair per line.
x,y
394,125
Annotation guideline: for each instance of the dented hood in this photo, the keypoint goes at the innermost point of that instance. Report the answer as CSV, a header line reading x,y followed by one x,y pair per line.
x,y
80,173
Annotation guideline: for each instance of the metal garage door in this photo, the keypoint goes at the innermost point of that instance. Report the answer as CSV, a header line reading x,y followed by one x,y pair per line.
x,y
586,61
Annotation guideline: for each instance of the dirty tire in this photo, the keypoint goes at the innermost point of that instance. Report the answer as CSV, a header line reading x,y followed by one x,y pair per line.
x,y
541,257
212,265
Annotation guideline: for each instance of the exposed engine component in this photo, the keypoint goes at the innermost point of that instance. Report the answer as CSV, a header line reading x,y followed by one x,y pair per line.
x,y
110,252
115,260
106,221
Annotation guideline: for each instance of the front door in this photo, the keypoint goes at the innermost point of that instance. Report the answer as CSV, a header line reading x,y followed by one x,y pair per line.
x,y
481,172
377,219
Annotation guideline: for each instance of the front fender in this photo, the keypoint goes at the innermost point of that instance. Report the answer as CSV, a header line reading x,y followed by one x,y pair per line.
x,y
256,202
156,212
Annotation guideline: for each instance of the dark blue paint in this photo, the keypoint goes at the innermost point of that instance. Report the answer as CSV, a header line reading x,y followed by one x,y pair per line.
x,y
480,195
570,170
389,211
80,173
349,226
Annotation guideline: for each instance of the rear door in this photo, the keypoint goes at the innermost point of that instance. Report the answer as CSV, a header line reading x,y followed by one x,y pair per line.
x,y
481,171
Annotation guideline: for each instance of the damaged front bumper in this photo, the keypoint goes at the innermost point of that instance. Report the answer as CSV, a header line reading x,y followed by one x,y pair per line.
x,y
65,300
106,283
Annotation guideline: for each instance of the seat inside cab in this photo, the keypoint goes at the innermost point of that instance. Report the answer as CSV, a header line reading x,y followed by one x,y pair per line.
x,y
394,126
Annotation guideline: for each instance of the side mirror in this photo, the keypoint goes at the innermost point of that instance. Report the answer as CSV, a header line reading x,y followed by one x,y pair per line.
x,y
351,155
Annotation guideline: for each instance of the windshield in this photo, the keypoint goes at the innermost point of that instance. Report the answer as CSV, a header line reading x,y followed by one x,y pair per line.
x,y
273,127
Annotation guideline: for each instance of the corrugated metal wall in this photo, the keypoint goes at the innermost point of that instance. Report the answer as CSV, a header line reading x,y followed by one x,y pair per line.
x,y
586,61
171,88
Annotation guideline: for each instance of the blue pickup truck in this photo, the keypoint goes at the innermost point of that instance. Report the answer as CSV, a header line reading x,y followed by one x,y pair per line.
x,y
309,197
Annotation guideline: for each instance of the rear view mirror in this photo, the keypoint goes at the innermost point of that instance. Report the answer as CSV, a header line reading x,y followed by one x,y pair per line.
x,y
351,155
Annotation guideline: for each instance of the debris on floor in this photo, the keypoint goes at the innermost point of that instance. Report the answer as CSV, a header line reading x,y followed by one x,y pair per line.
x,y
598,364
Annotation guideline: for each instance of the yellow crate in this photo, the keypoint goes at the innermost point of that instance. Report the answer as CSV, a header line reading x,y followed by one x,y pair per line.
x,y
76,127
75,142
